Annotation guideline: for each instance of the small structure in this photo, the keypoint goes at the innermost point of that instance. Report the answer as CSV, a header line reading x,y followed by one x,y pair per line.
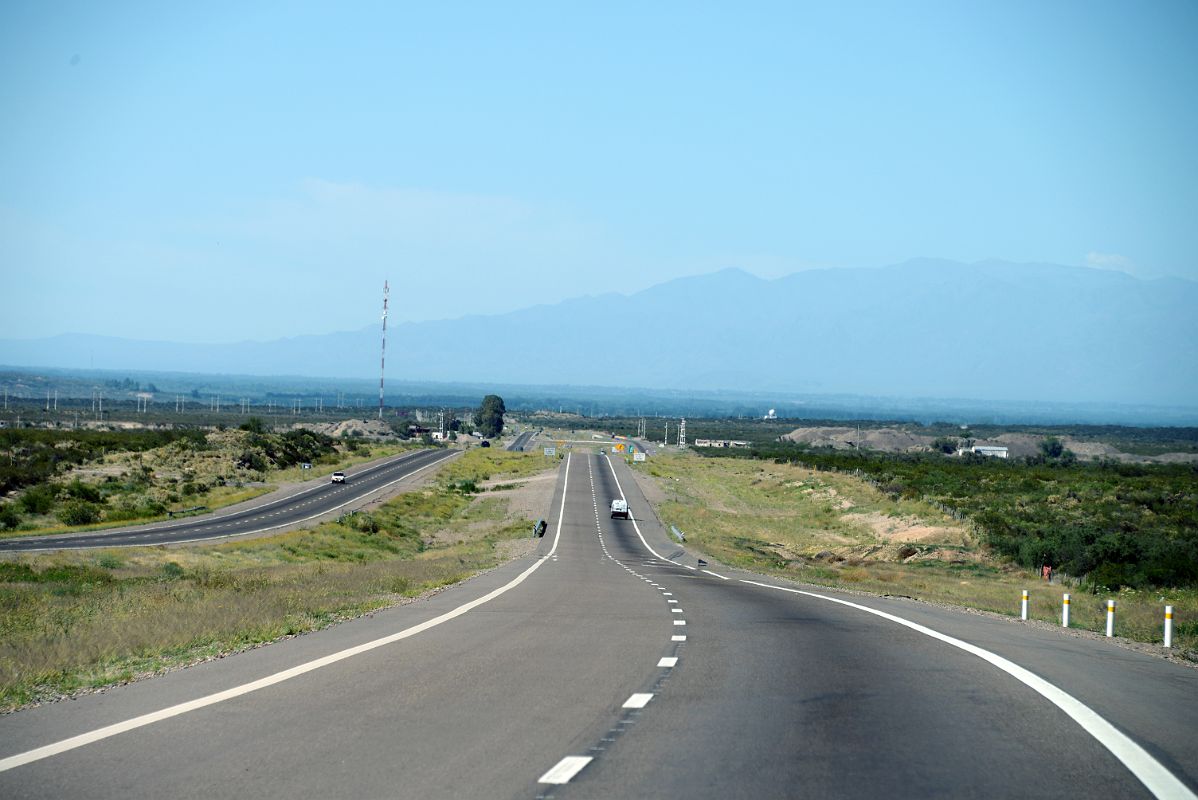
x,y
993,451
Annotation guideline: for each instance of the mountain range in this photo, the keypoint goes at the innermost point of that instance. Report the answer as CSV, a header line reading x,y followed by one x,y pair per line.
x,y
924,328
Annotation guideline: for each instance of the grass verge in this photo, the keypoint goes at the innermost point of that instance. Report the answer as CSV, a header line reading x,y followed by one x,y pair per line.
x,y
836,530
74,621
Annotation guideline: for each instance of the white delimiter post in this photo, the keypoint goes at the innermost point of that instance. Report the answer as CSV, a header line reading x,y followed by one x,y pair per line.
x,y
1110,618
1023,609
1065,612
1168,626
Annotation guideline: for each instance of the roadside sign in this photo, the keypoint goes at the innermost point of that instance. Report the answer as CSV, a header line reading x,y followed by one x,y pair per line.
x,y
550,451
617,448
638,456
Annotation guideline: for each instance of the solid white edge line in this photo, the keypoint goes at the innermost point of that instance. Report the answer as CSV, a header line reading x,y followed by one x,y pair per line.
x,y
636,527
709,572
565,769
107,731
240,533
1158,780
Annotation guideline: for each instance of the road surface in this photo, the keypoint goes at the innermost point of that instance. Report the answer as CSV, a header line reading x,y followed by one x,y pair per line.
x,y
521,441
289,511
608,664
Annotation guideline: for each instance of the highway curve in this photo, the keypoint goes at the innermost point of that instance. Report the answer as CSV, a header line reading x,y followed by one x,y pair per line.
x,y
315,500
607,664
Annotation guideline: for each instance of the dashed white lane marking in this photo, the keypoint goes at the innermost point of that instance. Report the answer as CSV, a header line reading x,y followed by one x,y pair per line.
x,y
566,769
669,661
671,601
676,610
1158,780
108,731
668,594
678,638
639,700
679,622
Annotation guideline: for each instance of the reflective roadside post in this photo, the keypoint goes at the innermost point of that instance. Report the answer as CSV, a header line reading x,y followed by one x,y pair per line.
x,y
1023,607
1168,626
1065,611
1110,618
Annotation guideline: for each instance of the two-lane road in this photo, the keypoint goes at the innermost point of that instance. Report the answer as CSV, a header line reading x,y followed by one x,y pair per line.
x,y
290,510
607,664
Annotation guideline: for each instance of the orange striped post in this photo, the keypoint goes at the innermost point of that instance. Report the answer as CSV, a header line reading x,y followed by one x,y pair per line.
x,y
1110,618
1065,611
1023,607
1168,626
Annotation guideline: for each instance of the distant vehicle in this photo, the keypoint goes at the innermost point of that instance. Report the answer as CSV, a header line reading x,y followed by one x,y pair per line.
x,y
338,477
619,508
484,443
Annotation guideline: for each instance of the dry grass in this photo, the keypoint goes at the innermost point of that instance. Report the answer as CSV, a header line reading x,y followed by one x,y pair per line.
x,y
76,620
836,530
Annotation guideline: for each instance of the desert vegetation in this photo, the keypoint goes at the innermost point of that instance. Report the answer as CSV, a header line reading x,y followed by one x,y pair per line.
x,y
822,518
54,478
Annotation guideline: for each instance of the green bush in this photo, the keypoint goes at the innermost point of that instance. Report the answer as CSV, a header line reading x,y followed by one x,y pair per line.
x,y
37,499
79,512
83,491
9,517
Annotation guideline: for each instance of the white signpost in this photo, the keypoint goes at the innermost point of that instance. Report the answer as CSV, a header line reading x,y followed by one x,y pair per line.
x,y
550,451
638,456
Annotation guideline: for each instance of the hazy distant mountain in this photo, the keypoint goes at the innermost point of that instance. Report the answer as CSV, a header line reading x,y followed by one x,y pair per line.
x,y
924,328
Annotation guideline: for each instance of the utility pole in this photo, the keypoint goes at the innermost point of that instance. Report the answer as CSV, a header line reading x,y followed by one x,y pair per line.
x,y
383,353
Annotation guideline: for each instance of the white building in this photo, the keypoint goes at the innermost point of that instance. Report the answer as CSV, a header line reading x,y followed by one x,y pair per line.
x,y
989,450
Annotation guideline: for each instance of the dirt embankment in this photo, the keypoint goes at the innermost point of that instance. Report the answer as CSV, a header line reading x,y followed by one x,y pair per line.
x,y
1019,445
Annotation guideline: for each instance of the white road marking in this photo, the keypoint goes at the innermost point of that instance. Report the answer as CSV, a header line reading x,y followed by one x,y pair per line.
x,y
639,700
566,769
677,638
1162,783
668,661
676,610
714,574
679,622
671,601
37,754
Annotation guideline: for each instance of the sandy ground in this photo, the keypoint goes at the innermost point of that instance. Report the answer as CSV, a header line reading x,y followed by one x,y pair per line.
x,y
1019,445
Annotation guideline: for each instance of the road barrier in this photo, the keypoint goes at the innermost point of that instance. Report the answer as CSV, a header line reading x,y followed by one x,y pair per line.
x,y
1023,607
1110,618
1168,626
1065,611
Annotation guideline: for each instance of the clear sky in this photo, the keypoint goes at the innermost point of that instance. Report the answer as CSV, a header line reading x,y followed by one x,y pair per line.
x,y
227,171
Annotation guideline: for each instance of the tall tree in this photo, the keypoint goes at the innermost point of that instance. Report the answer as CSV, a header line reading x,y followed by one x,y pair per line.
x,y
489,417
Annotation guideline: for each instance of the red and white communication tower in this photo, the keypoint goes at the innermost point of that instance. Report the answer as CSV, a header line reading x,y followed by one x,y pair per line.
x,y
383,356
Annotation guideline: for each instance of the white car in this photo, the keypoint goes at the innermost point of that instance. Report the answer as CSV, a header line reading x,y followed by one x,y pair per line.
x,y
619,508
338,477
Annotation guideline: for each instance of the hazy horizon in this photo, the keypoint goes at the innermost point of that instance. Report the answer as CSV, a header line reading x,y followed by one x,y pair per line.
x,y
235,173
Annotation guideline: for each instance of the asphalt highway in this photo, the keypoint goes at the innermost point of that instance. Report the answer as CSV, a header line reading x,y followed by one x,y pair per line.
x,y
610,664
290,510
520,442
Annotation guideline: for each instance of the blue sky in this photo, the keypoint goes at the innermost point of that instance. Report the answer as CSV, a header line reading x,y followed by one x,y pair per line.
x,y
219,172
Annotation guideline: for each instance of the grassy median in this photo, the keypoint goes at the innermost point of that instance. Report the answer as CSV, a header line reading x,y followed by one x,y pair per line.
x,y
78,620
